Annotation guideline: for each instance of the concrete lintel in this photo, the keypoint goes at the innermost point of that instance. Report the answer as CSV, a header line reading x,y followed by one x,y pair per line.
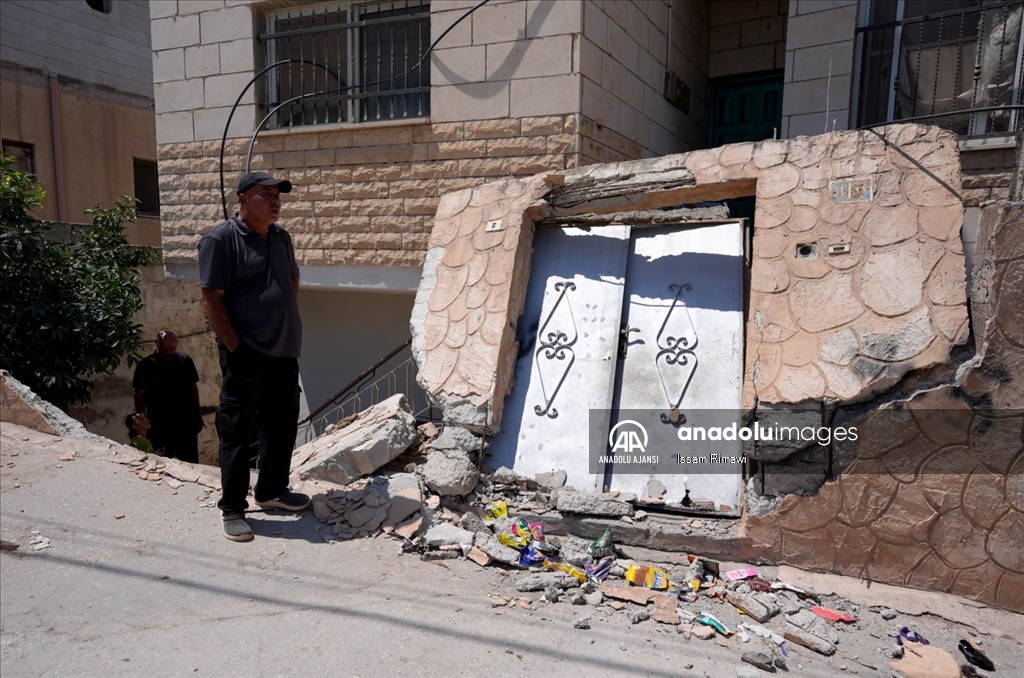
x,y
382,279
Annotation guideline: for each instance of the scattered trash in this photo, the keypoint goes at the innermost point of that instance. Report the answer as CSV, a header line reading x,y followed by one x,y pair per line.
x,y
707,619
832,615
740,574
649,577
496,510
782,586
909,634
602,546
38,541
600,570
976,656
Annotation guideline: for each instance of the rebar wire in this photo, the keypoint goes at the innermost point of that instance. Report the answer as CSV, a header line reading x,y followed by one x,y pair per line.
x,y
364,85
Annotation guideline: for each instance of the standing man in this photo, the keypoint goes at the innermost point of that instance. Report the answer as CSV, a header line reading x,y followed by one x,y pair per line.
x,y
250,280
167,391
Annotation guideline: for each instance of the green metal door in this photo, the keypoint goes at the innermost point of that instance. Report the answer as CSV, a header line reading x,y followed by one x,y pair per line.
x,y
745,108
748,108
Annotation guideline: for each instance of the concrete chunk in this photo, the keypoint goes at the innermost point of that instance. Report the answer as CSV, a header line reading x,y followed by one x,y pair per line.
x,y
594,504
495,549
810,641
447,534
542,580
375,437
753,608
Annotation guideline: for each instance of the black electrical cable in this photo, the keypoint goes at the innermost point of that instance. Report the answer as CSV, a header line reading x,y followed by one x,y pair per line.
x,y
252,140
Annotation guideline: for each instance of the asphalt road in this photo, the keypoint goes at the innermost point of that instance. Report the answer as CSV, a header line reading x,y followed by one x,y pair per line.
x,y
160,592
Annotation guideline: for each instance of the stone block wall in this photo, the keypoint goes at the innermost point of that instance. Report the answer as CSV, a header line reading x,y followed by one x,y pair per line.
x,y
747,35
624,50
362,196
819,66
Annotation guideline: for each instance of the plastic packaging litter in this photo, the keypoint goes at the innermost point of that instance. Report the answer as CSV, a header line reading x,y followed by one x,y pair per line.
x,y
742,573
495,510
708,619
907,633
599,571
976,656
513,541
530,556
521,528
602,546
694,574
832,615
689,596
758,584
565,567
709,565
650,577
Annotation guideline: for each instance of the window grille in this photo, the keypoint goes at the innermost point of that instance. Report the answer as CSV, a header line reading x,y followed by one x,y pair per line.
x,y
347,62
950,62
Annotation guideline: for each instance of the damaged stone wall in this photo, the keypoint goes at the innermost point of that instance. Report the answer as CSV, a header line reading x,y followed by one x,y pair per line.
x,y
857,281
887,199
955,521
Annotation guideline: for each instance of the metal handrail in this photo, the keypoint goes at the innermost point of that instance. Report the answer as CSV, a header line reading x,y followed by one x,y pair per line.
x,y
368,372
370,394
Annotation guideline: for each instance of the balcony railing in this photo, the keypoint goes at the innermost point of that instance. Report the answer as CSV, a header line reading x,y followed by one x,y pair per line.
x,y
960,69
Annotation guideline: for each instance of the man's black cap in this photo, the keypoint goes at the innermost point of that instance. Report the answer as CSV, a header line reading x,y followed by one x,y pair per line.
x,y
262,179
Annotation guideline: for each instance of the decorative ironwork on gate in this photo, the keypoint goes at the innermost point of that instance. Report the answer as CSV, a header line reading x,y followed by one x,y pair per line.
x,y
677,341
555,344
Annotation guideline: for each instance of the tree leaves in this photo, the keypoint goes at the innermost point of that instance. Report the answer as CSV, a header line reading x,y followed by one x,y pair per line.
x,y
67,308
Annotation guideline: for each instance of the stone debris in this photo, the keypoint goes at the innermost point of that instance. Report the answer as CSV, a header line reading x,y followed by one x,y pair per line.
x,y
590,503
810,641
540,581
551,480
582,623
363,444
38,542
750,606
888,614
447,534
450,473
758,659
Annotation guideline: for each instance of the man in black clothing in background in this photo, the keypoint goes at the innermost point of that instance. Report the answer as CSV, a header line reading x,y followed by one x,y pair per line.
x,y
167,391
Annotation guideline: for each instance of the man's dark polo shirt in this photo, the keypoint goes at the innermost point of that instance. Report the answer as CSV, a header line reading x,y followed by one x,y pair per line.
x,y
256,276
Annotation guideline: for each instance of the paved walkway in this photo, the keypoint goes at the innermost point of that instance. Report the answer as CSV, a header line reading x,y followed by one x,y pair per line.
x,y
159,592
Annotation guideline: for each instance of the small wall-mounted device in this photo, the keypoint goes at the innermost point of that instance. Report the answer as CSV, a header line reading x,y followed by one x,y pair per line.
x,y
494,225
841,248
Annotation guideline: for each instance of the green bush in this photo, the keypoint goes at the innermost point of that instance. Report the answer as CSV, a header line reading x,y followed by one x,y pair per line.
x,y
66,308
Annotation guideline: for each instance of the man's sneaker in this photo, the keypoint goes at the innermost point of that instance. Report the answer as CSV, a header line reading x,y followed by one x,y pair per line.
x,y
290,501
235,527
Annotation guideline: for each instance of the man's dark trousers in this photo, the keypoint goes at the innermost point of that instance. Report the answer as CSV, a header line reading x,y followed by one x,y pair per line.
x,y
255,381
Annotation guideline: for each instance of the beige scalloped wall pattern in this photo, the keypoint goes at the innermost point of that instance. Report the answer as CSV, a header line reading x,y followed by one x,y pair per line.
x,y
841,326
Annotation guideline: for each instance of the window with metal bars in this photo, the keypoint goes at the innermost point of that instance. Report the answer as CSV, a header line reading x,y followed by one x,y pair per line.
x,y
347,62
953,63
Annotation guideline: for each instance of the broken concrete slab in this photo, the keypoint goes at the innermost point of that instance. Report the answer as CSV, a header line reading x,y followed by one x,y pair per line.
x,y
450,473
751,606
404,503
505,476
595,504
487,543
375,437
810,641
477,555
410,527
551,480
541,580
447,534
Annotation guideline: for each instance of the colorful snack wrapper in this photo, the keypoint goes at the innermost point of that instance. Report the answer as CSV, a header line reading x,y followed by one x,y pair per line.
x,y
530,556
599,571
521,528
565,567
650,577
537,529
602,546
707,619
512,541
495,510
